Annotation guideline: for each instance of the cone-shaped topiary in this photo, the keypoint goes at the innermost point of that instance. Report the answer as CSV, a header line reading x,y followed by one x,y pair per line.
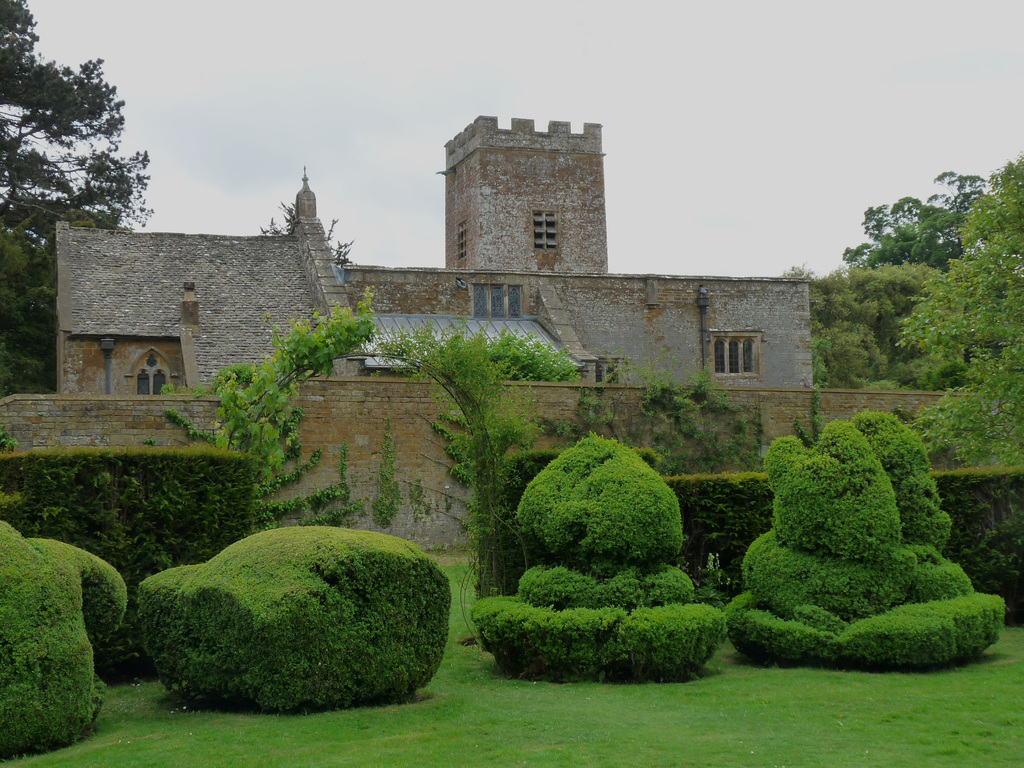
x,y
851,572
299,619
53,597
607,602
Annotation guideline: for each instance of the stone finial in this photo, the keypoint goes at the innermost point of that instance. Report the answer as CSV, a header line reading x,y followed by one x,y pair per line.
x,y
305,200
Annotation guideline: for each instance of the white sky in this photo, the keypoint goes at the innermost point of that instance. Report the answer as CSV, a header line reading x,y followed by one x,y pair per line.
x,y
741,138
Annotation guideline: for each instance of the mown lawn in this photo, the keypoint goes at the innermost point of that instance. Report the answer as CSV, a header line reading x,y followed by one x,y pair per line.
x,y
737,715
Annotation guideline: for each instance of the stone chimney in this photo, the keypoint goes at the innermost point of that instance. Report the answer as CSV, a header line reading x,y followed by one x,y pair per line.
x,y
188,329
190,308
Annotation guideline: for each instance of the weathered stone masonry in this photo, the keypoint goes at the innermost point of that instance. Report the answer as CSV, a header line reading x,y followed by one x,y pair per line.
x,y
352,411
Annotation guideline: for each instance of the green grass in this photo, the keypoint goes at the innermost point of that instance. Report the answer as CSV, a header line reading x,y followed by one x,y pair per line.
x,y
738,715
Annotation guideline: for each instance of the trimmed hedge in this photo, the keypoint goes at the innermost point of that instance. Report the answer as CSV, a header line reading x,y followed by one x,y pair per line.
x,y
519,469
52,598
141,510
561,588
851,572
987,538
721,515
668,643
606,603
911,636
295,619
599,507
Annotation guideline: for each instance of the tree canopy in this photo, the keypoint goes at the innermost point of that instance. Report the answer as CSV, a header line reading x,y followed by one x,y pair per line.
x,y
856,316
60,133
472,370
974,314
913,232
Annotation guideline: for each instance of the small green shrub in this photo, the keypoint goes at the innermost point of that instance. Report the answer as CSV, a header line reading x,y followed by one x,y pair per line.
x,y
142,511
299,619
49,695
851,572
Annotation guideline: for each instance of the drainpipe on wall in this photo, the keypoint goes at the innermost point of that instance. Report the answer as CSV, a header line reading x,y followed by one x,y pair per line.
x,y
107,345
703,301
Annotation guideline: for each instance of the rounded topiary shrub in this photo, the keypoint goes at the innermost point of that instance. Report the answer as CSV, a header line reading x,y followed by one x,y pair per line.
x,y
52,598
606,602
302,618
600,508
851,572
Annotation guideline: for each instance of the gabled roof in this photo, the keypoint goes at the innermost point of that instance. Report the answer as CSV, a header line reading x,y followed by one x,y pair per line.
x,y
132,284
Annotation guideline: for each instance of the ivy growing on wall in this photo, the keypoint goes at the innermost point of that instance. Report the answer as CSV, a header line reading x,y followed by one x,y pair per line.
x,y
385,505
692,425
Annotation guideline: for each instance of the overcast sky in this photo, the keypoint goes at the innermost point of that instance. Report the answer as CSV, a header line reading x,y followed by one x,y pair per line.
x,y
741,138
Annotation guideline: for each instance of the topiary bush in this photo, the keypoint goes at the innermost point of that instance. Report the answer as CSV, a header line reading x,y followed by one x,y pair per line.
x,y
605,602
304,618
53,598
142,510
851,572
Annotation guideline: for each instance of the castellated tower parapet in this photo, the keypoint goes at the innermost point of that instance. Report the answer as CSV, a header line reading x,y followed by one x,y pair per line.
x,y
484,132
525,200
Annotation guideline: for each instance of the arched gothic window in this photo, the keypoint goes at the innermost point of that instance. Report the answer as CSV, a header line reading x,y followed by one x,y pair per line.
x,y
150,374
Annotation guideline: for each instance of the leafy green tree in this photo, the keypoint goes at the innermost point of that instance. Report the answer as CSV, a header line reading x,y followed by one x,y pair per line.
x,y
60,132
27,322
856,315
912,232
471,371
256,414
974,314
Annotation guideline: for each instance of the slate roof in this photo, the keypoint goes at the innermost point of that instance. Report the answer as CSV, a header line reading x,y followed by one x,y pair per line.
x,y
131,284
490,327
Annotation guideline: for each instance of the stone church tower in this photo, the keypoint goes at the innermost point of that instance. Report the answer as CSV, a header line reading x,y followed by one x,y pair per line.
x,y
525,200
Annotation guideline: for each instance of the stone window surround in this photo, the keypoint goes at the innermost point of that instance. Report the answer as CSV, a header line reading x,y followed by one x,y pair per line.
x,y
149,367
460,240
511,300
545,230
736,354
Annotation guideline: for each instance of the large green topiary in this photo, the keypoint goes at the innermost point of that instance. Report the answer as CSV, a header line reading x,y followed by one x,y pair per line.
x,y
299,619
53,598
851,572
606,602
599,508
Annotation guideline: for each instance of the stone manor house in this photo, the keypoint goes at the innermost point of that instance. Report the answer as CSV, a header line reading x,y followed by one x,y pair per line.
x,y
525,250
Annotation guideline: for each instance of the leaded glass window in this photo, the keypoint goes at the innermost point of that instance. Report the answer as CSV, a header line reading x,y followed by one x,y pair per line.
x,y
479,301
515,301
497,301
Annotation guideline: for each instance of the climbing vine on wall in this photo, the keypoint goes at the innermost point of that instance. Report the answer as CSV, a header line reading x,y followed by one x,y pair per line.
x,y
385,505
691,425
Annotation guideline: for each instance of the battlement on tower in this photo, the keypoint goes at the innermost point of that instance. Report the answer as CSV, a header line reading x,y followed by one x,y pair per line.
x,y
484,132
